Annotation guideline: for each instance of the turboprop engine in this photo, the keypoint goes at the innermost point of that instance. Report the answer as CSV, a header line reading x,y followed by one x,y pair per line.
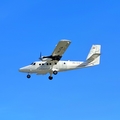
x,y
49,58
46,59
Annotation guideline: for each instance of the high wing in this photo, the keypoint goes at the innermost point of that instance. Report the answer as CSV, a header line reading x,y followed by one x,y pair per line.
x,y
61,48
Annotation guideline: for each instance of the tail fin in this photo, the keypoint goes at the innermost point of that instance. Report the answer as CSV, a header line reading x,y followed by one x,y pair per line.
x,y
94,55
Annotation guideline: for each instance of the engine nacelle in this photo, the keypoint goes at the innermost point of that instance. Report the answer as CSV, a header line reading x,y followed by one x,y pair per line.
x,y
46,59
50,58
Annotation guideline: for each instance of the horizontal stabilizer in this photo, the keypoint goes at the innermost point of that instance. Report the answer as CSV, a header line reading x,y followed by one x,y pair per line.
x,y
93,57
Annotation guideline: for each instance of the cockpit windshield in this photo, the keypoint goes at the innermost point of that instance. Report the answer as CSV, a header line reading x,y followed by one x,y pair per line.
x,y
33,63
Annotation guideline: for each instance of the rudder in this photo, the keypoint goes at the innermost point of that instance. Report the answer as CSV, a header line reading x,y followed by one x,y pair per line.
x,y
94,55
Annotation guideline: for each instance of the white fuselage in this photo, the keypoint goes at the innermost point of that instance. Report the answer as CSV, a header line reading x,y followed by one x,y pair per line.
x,y
44,67
52,64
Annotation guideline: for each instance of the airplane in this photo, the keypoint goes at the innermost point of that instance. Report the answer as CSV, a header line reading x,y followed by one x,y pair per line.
x,y
53,64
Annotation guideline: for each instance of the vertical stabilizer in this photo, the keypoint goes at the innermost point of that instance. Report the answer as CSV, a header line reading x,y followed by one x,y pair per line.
x,y
94,55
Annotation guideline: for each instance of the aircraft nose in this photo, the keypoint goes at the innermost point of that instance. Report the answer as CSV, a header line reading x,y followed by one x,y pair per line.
x,y
23,69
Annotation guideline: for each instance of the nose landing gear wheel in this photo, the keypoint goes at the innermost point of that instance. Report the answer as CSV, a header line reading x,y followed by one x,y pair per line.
x,y
50,77
28,76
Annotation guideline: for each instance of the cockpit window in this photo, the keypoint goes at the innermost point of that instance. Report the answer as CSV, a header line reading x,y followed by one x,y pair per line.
x,y
33,63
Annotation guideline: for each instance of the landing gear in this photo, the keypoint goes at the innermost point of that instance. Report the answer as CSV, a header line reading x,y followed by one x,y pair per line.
x,y
52,72
55,72
28,76
50,77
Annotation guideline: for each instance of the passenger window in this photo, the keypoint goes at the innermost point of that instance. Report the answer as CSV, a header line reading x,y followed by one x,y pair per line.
x,y
33,63
39,64
50,63
42,64
55,63
47,63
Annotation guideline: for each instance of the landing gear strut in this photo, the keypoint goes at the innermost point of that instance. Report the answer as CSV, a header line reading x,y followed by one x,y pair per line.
x,y
50,77
28,76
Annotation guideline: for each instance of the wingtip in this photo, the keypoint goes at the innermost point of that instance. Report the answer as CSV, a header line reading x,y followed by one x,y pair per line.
x,y
66,40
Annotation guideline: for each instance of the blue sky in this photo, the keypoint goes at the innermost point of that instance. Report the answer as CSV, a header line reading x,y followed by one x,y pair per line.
x,y
28,27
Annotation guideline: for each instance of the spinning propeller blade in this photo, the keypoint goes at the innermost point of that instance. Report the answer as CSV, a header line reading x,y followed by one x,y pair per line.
x,y
40,56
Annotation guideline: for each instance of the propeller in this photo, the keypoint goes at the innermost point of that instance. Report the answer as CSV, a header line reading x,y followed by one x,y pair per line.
x,y
40,58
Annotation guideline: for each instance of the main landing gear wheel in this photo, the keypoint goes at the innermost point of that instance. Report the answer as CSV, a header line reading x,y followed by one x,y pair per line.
x,y
50,77
28,76
55,72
